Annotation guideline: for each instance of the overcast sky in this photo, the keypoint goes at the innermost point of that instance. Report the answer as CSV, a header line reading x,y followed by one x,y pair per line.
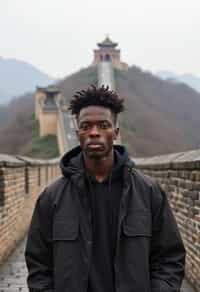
x,y
58,36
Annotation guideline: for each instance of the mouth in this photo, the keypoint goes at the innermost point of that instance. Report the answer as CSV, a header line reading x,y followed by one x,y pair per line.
x,y
95,146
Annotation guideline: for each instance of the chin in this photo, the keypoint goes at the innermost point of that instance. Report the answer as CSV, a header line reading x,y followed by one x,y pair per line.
x,y
96,156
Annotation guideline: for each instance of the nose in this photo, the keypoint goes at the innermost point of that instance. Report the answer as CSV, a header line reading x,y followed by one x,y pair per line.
x,y
94,131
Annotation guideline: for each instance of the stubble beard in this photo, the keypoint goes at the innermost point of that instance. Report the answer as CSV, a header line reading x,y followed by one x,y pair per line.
x,y
98,156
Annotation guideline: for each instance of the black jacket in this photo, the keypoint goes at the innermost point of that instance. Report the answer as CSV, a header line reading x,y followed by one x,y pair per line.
x,y
149,251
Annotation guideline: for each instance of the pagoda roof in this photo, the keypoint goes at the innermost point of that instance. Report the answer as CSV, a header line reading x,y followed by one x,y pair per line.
x,y
107,43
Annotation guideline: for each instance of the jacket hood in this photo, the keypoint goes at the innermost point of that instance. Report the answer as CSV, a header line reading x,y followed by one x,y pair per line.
x,y
72,162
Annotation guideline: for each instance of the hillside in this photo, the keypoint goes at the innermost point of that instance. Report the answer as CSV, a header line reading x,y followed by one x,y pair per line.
x,y
161,117
189,79
16,123
40,147
77,81
18,77
21,136
16,107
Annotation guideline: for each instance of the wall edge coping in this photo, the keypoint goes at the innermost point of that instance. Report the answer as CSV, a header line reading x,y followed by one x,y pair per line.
x,y
22,161
38,162
179,160
10,160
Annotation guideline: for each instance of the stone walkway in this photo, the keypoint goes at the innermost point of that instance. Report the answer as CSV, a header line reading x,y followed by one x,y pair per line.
x,y
13,273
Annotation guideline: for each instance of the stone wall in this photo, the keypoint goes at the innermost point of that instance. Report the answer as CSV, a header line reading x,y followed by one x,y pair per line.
x,y
21,180
179,175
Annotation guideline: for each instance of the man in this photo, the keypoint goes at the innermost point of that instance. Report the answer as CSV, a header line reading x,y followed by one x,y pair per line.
x,y
103,226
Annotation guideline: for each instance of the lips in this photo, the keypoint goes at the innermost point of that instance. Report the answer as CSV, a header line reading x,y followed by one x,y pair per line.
x,y
95,145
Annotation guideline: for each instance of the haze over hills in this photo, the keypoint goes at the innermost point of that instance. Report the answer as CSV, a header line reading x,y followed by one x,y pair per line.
x,y
189,79
160,117
19,77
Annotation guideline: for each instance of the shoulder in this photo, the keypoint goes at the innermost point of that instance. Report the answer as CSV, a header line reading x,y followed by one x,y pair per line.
x,y
140,177
57,184
148,186
52,191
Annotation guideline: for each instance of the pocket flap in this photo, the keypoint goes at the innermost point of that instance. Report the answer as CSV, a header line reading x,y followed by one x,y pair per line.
x,y
137,224
65,229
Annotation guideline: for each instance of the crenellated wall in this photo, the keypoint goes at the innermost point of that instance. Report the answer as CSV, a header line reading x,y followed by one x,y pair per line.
x,y
21,180
179,175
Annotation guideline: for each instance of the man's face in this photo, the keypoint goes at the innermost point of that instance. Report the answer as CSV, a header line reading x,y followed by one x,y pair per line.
x,y
96,131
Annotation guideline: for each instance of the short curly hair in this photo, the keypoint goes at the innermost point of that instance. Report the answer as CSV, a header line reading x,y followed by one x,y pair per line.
x,y
101,96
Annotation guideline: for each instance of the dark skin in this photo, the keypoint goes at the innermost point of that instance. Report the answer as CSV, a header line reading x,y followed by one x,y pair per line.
x,y
96,133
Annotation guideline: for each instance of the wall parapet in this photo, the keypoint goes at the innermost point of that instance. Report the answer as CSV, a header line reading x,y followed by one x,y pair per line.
x,y
34,162
179,175
182,160
16,161
10,161
21,180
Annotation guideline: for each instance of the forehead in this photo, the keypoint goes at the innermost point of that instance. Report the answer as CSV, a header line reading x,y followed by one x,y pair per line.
x,y
94,113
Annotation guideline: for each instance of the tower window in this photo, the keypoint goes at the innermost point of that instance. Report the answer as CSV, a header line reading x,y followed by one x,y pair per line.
x,y
107,58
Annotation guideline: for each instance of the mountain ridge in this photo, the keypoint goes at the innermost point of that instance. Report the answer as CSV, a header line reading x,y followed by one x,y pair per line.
x,y
187,78
19,77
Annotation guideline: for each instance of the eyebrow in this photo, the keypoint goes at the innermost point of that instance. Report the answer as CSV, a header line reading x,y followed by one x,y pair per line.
x,y
97,121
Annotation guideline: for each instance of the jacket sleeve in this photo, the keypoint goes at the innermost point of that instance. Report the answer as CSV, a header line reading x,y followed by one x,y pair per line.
x,y
38,251
167,258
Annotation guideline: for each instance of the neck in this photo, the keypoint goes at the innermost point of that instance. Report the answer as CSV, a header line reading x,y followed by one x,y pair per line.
x,y
99,168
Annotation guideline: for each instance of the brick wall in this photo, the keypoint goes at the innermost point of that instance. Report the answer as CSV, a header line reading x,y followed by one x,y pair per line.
x,y
21,180
179,175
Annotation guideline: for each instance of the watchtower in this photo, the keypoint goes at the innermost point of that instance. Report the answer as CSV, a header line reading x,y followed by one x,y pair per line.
x,y
108,52
46,109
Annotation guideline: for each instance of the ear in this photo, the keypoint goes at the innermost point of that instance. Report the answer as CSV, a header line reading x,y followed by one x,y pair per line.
x,y
76,127
116,133
77,134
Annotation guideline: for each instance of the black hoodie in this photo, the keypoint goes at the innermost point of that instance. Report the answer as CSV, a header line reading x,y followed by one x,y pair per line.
x,y
104,198
60,255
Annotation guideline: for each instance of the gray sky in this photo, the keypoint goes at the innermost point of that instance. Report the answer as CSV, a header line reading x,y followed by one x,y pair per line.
x,y
59,36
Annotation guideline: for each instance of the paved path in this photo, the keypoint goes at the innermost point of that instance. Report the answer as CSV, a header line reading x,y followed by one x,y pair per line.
x,y
13,273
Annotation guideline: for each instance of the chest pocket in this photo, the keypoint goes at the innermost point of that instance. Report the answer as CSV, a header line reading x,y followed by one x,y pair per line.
x,y
137,223
65,229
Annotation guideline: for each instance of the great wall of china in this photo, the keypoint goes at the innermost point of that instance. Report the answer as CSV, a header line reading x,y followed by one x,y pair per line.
x,y
23,178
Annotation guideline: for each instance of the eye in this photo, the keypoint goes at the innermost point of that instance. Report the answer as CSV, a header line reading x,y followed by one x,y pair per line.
x,y
84,126
104,125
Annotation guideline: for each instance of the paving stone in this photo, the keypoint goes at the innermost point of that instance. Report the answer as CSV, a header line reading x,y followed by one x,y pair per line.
x,y
13,273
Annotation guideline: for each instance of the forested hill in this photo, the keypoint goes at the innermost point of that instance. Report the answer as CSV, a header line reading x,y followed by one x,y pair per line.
x,y
160,116
17,124
77,81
